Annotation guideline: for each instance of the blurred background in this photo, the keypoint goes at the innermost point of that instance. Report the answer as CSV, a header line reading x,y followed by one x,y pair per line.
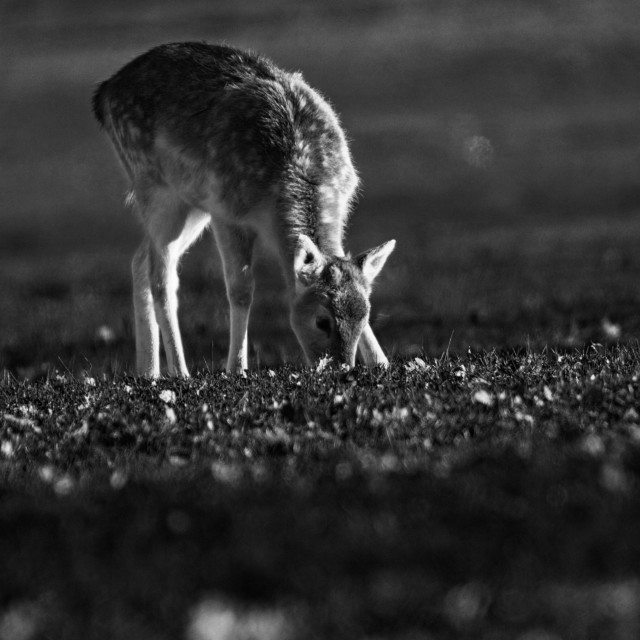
x,y
497,141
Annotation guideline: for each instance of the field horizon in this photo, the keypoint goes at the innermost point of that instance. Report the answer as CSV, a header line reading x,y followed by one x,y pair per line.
x,y
498,146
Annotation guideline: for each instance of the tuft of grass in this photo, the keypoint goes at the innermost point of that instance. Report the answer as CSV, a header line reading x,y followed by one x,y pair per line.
x,y
462,496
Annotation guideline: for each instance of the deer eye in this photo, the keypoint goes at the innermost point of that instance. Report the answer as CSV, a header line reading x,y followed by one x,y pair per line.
x,y
324,324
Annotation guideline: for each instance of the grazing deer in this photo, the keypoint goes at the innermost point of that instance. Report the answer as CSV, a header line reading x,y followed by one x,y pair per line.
x,y
213,136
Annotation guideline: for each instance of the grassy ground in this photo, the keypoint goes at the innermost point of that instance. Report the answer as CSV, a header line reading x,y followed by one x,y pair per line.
x,y
484,496
487,493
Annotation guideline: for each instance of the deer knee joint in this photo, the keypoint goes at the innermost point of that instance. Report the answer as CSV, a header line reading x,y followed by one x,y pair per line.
x,y
241,293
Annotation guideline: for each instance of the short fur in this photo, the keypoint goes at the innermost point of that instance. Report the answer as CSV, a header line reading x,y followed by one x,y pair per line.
x,y
211,135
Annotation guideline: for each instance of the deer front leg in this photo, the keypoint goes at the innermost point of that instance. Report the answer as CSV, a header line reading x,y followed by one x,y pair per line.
x,y
164,287
370,349
236,250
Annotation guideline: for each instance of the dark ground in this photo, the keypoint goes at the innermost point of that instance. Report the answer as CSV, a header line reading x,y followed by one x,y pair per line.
x,y
491,496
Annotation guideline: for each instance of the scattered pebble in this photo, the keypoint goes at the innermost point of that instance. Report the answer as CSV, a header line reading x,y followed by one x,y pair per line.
x,y
118,479
218,619
466,605
105,334
167,396
482,396
6,448
593,445
63,485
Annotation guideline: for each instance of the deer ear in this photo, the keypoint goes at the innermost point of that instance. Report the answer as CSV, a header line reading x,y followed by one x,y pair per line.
x,y
372,261
308,261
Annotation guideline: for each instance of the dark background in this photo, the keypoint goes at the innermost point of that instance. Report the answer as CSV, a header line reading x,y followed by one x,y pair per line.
x,y
497,141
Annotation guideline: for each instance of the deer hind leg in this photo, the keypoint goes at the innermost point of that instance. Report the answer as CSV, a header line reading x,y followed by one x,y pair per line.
x,y
370,349
171,227
146,325
235,245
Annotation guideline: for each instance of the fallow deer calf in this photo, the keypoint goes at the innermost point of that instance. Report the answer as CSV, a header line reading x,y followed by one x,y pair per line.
x,y
213,136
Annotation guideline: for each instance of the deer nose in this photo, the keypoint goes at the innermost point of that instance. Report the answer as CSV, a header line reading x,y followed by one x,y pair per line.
x,y
346,354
